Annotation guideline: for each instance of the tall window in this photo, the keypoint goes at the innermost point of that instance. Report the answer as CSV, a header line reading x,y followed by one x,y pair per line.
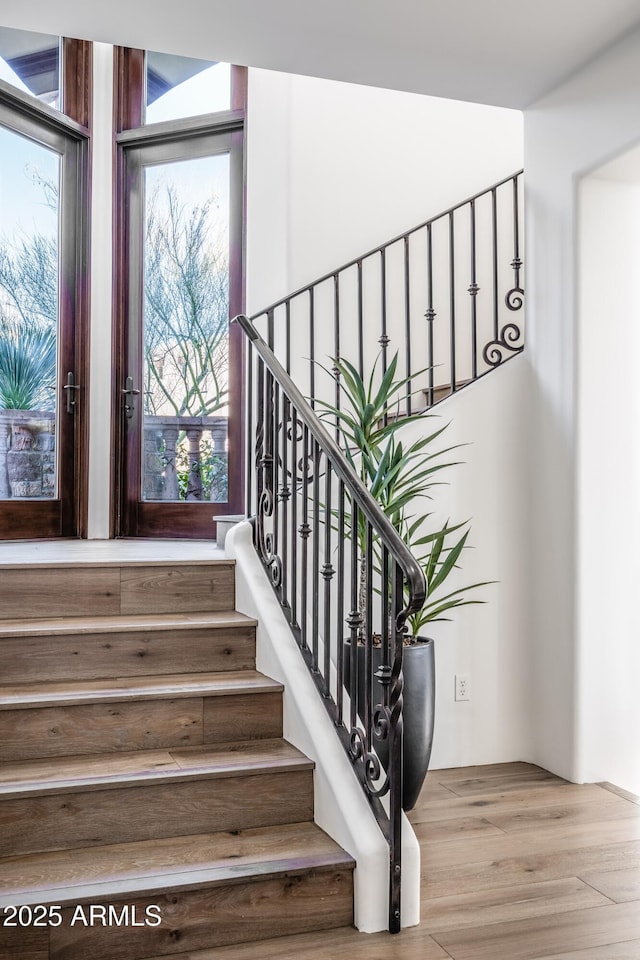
x,y
180,199
43,322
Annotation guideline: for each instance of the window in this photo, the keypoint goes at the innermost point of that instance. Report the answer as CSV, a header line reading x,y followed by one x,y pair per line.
x,y
31,62
43,288
178,87
180,201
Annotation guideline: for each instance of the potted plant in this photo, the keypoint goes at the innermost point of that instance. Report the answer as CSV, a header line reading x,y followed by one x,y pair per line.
x,y
401,476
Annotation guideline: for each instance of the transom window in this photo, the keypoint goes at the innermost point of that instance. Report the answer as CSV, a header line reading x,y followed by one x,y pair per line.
x,y
178,87
31,62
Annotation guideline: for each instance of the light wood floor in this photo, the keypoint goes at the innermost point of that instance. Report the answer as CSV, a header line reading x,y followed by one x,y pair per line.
x,y
516,865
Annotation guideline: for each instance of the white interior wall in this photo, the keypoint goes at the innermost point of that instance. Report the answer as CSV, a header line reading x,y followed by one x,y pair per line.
x,y
101,291
609,475
490,641
335,169
584,122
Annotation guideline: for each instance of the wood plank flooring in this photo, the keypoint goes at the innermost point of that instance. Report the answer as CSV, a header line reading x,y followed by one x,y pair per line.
x,y
517,864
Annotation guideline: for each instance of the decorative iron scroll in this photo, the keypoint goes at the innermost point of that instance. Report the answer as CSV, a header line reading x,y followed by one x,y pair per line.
x,y
265,538
506,345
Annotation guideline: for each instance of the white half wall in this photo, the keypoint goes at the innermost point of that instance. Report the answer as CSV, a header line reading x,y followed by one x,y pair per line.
x,y
584,122
490,642
340,806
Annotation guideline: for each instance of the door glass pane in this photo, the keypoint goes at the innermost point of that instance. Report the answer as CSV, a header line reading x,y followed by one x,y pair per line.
x,y
31,62
186,330
29,272
179,87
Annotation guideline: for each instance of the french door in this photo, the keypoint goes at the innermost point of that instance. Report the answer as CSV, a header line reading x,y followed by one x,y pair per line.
x,y
43,199
179,382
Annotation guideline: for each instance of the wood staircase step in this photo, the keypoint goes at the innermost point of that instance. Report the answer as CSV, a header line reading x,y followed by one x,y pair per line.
x,y
23,696
143,772
88,648
83,801
208,890
69,718
112,588
135,868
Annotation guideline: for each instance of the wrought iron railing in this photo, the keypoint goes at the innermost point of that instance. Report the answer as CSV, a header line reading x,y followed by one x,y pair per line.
x,y
317,531
446,296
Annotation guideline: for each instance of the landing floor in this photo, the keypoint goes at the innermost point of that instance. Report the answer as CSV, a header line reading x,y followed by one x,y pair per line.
x,y
517,864
70,551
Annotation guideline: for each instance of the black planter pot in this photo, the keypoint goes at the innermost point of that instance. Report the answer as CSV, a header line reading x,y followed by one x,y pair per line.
x,y
418,710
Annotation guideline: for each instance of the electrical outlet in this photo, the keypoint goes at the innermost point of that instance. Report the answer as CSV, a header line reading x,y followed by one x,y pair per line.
x,y
463,686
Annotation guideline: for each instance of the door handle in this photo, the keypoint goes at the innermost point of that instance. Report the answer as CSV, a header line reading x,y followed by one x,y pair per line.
x,y
129,391
70,388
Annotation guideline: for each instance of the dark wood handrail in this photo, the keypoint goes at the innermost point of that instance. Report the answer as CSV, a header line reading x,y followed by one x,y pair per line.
x,y
340,465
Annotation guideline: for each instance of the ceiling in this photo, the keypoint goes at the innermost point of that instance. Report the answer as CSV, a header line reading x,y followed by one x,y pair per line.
x,y
488,51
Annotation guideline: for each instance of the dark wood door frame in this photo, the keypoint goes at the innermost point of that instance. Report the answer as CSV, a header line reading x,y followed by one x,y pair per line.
x,y
68,135
131,516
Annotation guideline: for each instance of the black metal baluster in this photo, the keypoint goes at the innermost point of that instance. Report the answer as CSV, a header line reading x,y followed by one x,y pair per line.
x,y
287,331
514,298
430,315
275,486
251,432
354,620
395,755
473,293
384,339
305,530
294,515
285,495
336,342
261,422
270,329
494,246
407,320
386,599
368,636
340,581
327,574
452,302
315,563
312,347
360,322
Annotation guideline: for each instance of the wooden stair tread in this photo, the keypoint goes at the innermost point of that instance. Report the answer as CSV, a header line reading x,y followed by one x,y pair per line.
x,y
67,562
119,689
99,772
122,623
150,866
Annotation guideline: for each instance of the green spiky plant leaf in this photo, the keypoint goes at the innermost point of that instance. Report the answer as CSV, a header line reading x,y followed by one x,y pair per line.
x,y
27,364
401,476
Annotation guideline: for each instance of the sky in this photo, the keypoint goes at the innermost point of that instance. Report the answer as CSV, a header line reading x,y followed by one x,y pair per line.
x,y
22,206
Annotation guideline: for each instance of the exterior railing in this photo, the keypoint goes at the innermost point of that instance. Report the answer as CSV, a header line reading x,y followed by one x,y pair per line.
x,y
446,296
342,575
185,458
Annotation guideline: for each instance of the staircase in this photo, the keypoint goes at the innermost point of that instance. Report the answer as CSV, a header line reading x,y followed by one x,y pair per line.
x,y
148,803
